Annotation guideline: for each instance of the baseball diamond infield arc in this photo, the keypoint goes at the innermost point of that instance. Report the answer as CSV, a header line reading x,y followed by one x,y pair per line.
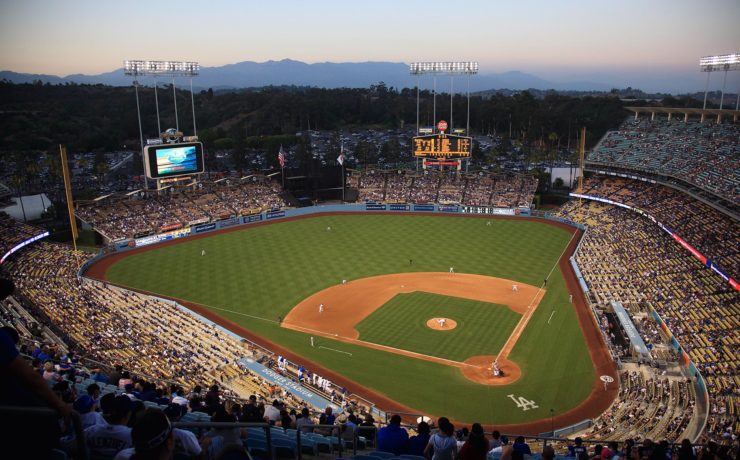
x,y
594,404
345,305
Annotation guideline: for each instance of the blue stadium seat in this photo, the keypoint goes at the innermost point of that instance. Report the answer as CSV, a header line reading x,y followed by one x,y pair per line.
x,y
412,457
283,448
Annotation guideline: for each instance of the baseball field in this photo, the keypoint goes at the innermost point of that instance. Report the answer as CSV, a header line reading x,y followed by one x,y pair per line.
x,y
384,282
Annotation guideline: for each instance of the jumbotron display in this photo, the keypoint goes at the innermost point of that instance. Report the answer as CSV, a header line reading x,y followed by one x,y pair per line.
x,y
163,161
442,146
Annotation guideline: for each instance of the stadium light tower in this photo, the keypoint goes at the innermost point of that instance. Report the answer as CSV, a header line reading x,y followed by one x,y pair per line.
x,y
442,68
724,62
136,68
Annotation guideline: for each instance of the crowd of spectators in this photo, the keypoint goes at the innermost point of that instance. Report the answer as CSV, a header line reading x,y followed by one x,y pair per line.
x,y
626,257
704,154
445,188
648,407
147,212
13,232
712,233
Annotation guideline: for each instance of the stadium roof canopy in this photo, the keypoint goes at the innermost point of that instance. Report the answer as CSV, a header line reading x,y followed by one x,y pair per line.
x,y
686,111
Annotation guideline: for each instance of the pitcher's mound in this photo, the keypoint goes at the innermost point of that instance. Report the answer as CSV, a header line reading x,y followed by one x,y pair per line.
x,y
442,324
478,369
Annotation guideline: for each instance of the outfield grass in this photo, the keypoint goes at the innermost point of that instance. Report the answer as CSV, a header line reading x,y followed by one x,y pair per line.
x,y
256,275
482,327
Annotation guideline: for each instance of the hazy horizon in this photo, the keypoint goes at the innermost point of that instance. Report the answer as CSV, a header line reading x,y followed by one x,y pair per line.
x,y
628,43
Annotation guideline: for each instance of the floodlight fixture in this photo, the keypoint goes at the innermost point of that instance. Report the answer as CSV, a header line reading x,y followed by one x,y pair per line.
x,y
721,62
445,68
163,68
137,68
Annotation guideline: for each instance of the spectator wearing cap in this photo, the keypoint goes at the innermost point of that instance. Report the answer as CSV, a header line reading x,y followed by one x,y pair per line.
x,y
392,438
105,441
152,438
85,406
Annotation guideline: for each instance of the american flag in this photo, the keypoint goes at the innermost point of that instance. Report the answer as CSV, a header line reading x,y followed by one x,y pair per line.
x,y
281,157
340,158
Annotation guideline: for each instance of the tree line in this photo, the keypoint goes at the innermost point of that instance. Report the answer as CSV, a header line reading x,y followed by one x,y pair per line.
x,y
87,118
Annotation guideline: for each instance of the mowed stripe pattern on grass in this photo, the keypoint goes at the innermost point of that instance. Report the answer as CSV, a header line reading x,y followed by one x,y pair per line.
x,y
264,271
482,327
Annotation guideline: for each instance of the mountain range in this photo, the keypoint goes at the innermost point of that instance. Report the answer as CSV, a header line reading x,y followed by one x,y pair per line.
x,y
249,74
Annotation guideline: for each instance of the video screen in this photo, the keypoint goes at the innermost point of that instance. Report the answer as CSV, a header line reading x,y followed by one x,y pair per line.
x,y
174,160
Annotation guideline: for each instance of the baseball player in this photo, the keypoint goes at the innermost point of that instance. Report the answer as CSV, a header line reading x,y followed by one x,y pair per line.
x,y
515,288
452,269
321,308
203,252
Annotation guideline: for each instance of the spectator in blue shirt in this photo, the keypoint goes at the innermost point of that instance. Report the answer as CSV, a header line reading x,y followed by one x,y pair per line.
x,y
393,438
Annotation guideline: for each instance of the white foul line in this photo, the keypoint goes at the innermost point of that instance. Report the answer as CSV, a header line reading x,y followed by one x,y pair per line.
x,y
338,351
548,320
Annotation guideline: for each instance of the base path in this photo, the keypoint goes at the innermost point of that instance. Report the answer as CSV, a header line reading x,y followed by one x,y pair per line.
x,y
335,311
346,305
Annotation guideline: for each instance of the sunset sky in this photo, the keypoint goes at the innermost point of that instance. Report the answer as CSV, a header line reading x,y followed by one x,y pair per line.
x,y
556,40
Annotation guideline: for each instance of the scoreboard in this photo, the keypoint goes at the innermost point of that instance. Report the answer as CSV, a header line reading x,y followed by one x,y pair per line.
x,y
442,146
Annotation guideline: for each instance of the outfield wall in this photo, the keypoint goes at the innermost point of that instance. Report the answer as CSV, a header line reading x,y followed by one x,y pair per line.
x,y
277,214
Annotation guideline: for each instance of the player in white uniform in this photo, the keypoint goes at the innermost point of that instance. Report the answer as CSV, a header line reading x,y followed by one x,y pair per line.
x,y
321,308
203,252
452,269
515,288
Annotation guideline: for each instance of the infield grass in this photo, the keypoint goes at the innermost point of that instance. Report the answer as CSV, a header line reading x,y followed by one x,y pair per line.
x,y
255,275
482,327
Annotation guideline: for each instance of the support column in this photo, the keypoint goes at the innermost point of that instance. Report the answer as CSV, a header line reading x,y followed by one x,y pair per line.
x,y
706,90
722,97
